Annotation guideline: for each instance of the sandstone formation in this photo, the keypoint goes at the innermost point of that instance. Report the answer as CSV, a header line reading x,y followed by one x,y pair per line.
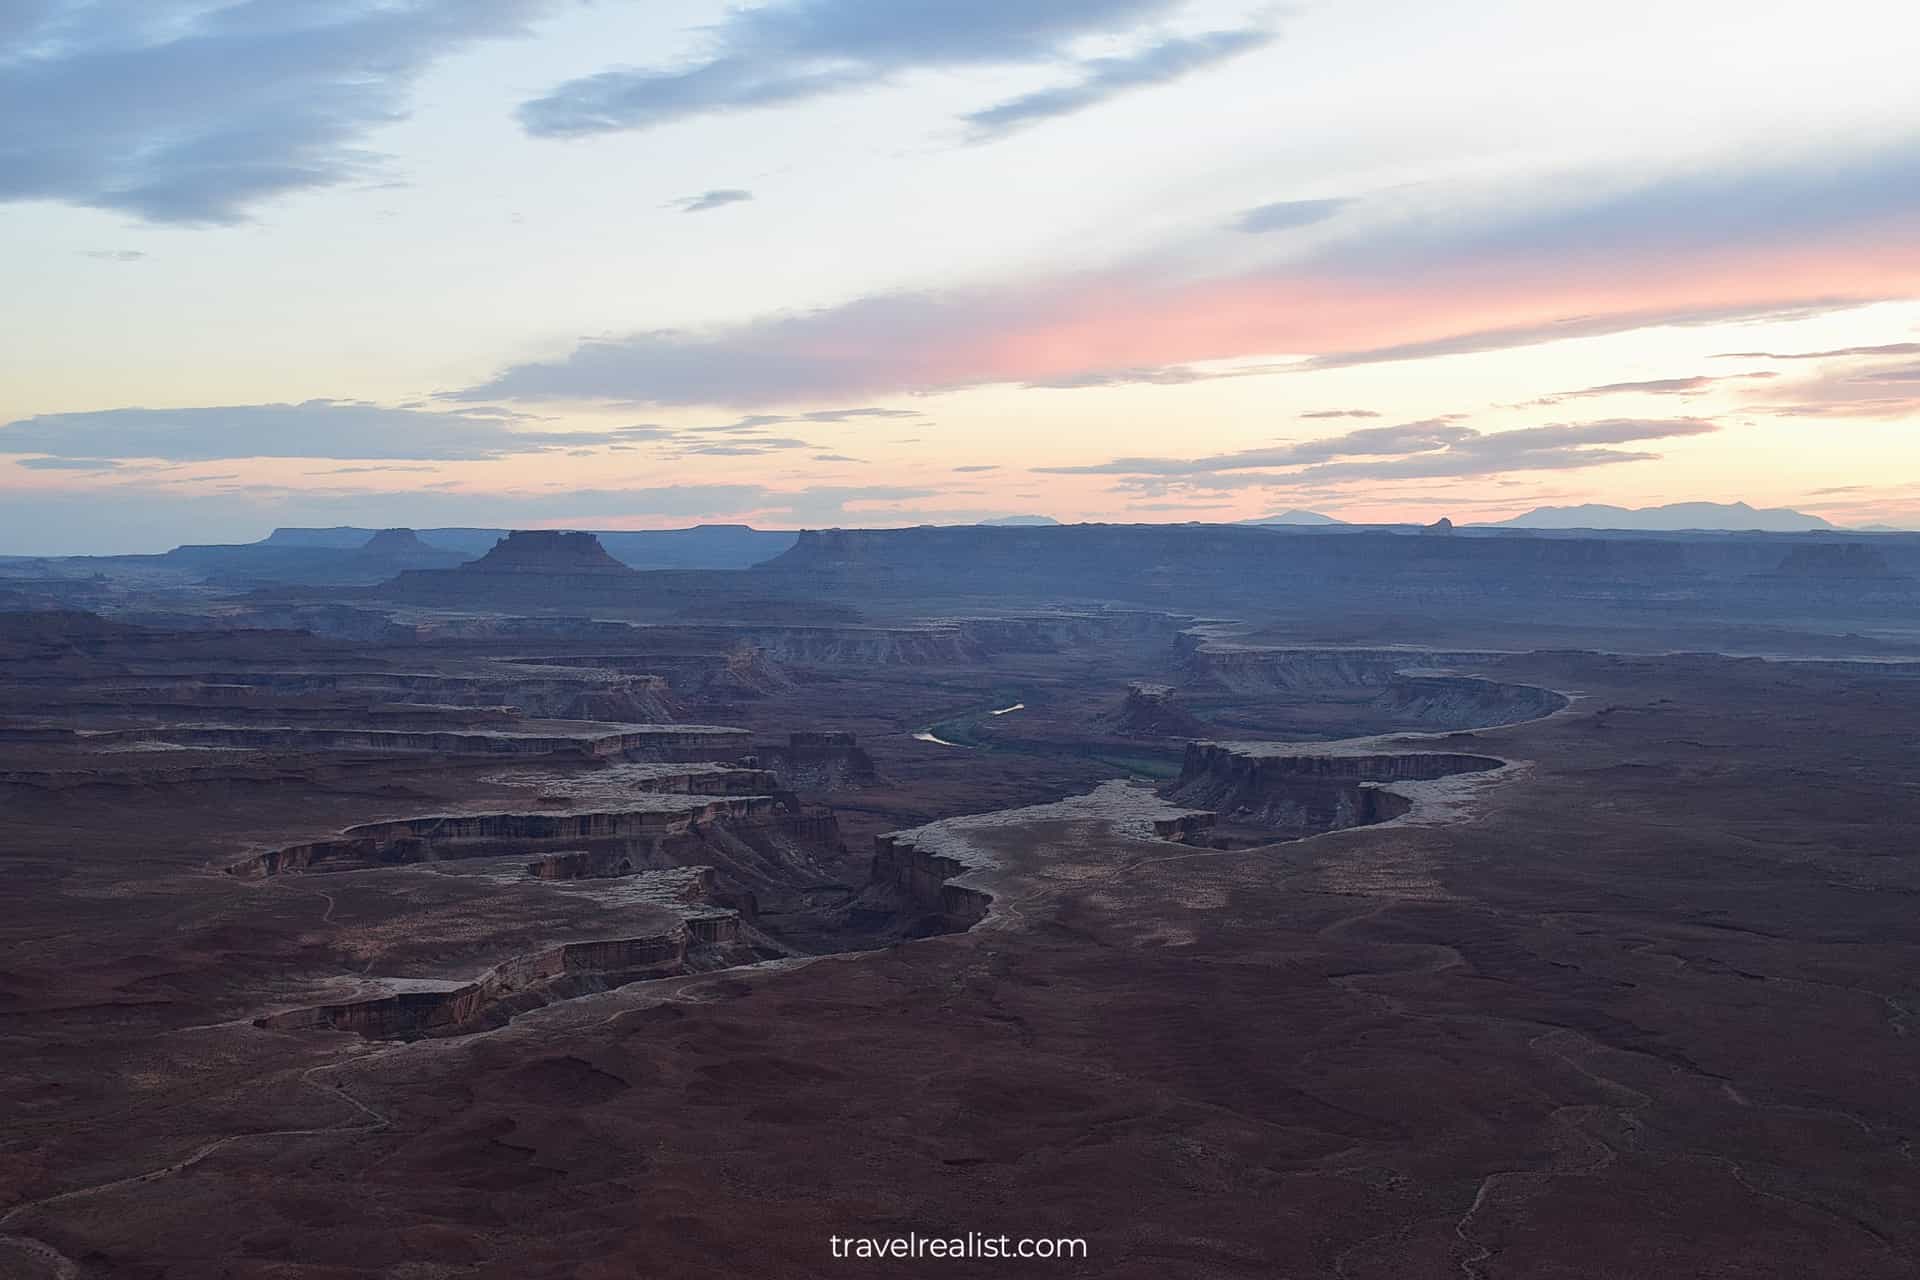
x,y
816,761
659,830
402,548
946,870
1844,561
1151,711
924,878
1302,789
1463,702
708,941
548,551
642,742
1254,668
528,567
1408,966
707,546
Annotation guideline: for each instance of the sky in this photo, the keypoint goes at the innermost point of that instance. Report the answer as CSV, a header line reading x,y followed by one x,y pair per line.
x,y
800,263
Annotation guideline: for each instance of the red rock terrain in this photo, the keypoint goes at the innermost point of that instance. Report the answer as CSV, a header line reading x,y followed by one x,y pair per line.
x,y
299,981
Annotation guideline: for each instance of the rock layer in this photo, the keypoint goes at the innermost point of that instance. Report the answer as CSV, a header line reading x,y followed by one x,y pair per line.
x,y
1298,790
658,833
710,940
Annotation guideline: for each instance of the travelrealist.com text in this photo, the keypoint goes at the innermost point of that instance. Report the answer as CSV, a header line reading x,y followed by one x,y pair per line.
x,y
973,1244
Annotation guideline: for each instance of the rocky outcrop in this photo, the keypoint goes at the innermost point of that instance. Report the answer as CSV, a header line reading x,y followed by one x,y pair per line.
x,y
859,646
940,874
1185,828
640,742
54,632
332,621
696,665
1828,562
955,640
1150,711
1211,565
578,691
570,864
651,834
707,546
1060,629
1241,668
1302,789
922,876
746,671
528,567
753,843
706,941
1463,702
622,780
819,762
402,548
934,642
548,551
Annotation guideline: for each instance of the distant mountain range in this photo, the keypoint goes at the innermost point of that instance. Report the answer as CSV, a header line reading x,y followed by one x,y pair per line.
x,y
1675,515
706,546
1020,522
1294,517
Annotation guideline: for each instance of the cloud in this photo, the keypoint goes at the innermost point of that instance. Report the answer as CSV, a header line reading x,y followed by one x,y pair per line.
x,y
113,255
69,464
718,198
1477,341
1066,337
753,422
1889,349
833,457
1104,78
1341,413
978,467
1431,448
743,448
1852,385
313,429
848,415
365,471
1653,387
1170,376
1382,293
645,431
1178,506
1408,437
1288,213
198,111
794,50
759,422
1173,375
1696,212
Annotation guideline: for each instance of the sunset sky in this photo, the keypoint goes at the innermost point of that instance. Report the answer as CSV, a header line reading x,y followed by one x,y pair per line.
x,y
884,262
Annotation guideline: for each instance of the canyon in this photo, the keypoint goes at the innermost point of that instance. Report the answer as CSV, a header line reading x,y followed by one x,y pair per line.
x,y
1249,901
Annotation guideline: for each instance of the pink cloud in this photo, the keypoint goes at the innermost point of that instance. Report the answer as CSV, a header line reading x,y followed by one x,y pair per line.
x,y
1136,321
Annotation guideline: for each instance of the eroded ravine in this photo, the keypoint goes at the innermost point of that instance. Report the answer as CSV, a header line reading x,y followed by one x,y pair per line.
x,y
744,838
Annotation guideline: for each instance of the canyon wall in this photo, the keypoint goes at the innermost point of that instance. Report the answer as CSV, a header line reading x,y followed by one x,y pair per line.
x,y
819,761
1464,702
641,835
527,982
1292,790
922,878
